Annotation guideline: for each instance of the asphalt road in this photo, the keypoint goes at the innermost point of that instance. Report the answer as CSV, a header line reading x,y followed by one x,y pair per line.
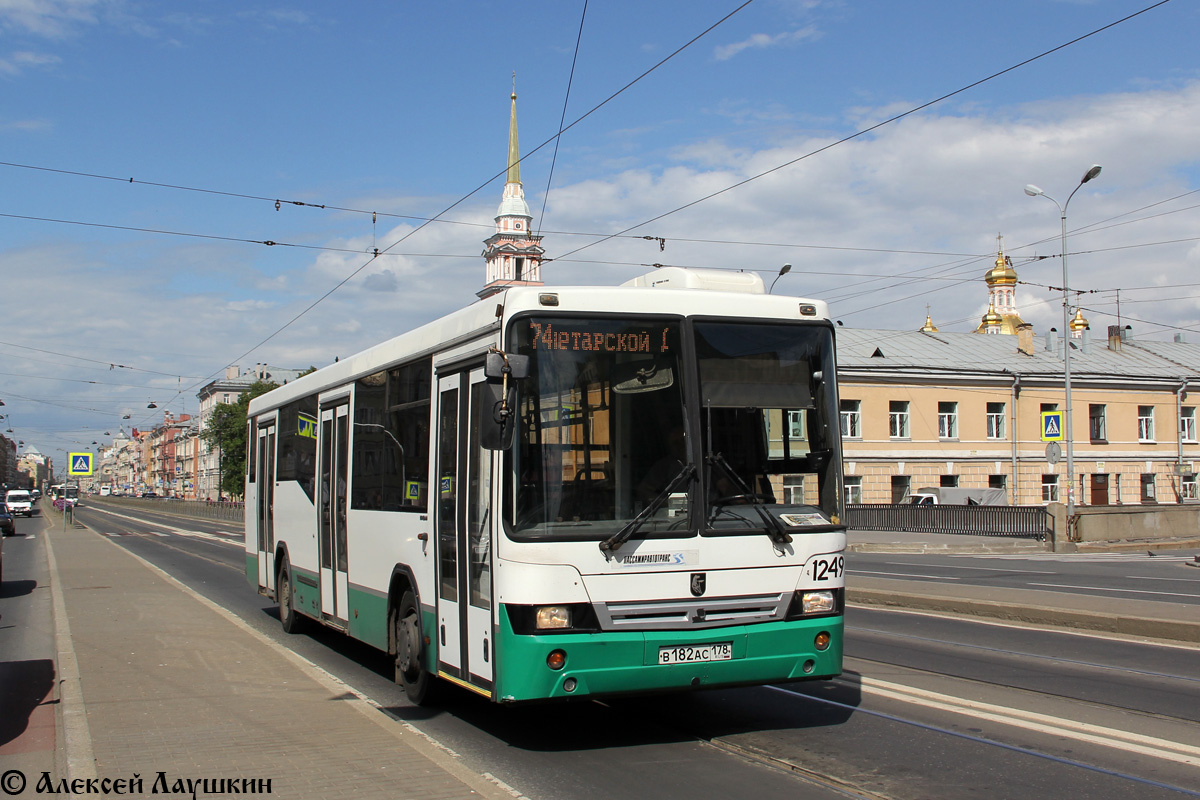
x,y
1142,575
27,653
927,707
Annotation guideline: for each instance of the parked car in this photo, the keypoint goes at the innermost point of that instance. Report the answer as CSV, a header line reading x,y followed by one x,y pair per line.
x,y
8,525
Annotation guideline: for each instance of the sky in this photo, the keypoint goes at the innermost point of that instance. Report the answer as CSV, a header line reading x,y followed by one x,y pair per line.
x,y
878,147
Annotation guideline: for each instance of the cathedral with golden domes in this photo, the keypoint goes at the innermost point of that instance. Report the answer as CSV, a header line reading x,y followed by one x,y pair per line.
x,y
1002,316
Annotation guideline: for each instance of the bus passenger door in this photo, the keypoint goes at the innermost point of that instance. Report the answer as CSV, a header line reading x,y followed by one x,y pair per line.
x,y
464,534
265,452
332,504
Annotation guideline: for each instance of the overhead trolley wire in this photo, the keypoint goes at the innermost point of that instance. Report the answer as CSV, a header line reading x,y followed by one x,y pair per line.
x,y
561,119
465,197
874,127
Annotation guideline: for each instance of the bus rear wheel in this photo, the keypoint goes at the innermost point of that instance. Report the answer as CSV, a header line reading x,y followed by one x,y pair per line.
x,y
410,668
291,621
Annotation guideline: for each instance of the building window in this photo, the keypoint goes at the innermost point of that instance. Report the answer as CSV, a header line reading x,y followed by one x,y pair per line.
x,y
793,490
901,488
997,481
795,425
1149,495
898,419
1049,488
947,420
853,488
1188,487
1187,423
1049,407
851,419
995,420
1145,423
1096,427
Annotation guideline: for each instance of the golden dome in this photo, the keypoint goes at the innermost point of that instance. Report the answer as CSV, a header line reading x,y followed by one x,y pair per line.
x,y
929,327
1078,323
1002,272
991,318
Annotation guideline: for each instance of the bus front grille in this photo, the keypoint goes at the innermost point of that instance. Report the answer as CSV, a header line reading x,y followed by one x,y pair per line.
x,y
707,612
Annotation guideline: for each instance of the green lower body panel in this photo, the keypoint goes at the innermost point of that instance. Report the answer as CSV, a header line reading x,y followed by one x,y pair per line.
x,y
369,617
306,592
628,662
252,568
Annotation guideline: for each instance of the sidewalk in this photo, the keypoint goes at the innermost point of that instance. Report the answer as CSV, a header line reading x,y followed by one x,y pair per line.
x,y
169,683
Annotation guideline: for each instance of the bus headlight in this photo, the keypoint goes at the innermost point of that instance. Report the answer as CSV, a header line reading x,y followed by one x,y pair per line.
x,y
551,617
817,602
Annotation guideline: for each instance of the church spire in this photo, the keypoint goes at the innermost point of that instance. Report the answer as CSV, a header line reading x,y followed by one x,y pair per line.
x,y
513,254
514,151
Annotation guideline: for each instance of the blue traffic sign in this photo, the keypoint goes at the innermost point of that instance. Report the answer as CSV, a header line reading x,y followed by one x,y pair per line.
x,y
1052,426
79,464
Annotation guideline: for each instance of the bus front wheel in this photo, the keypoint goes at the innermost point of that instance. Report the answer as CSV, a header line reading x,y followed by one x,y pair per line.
x,y
410,668
291,621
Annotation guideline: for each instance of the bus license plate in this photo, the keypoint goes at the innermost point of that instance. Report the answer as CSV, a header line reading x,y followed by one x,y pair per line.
x,y
690,654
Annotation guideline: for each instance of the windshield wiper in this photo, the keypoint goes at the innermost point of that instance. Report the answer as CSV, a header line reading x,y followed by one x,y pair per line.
x,y
620,537
773,525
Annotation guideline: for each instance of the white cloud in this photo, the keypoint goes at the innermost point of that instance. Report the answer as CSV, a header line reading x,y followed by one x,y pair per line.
x,y
50,18
760,41
942,182
26,125
18,62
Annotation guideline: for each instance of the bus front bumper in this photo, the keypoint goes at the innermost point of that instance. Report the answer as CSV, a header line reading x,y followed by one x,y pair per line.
x,y
609,663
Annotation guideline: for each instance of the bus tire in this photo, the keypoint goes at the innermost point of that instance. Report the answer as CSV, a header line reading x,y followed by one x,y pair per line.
x,y
411,674
291,621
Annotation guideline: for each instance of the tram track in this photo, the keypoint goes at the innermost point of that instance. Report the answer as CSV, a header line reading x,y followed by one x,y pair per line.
x,y
1184,754
1076,681
1033,656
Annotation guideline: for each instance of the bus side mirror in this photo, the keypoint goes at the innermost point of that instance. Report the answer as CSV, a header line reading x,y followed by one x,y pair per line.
x,y
497,411
501,365
497,415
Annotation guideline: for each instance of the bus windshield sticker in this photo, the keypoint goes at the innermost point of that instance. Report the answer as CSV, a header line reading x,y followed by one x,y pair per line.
x,y
804,520
676,559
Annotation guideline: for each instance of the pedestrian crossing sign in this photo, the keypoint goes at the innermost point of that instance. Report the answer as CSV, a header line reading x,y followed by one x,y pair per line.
x,y
79,464
306,426
1052,426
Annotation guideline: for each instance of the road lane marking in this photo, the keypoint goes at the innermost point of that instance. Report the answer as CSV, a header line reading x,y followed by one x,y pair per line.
x,y
1151,746
981,569
212,537
1153,578
903,574
1111,589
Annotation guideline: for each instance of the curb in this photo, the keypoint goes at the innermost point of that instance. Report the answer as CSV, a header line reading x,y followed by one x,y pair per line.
x,y
76,743
945,549
1148,627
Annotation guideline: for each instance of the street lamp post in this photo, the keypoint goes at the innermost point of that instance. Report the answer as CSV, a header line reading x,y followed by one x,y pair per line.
x,y
786,269
1034,191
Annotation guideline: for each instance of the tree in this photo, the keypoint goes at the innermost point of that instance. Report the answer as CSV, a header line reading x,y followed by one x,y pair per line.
x,y
225,432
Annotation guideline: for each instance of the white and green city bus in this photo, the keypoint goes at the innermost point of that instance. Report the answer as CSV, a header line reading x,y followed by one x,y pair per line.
x,y
567,492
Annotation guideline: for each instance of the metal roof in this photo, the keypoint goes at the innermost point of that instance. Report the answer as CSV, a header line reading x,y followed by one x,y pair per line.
x,y
860,349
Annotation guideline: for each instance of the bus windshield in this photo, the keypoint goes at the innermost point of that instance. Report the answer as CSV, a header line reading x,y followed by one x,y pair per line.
x,y
769,426
611,429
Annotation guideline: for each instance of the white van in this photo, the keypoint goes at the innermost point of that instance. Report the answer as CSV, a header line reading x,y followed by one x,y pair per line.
x,y
19,501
